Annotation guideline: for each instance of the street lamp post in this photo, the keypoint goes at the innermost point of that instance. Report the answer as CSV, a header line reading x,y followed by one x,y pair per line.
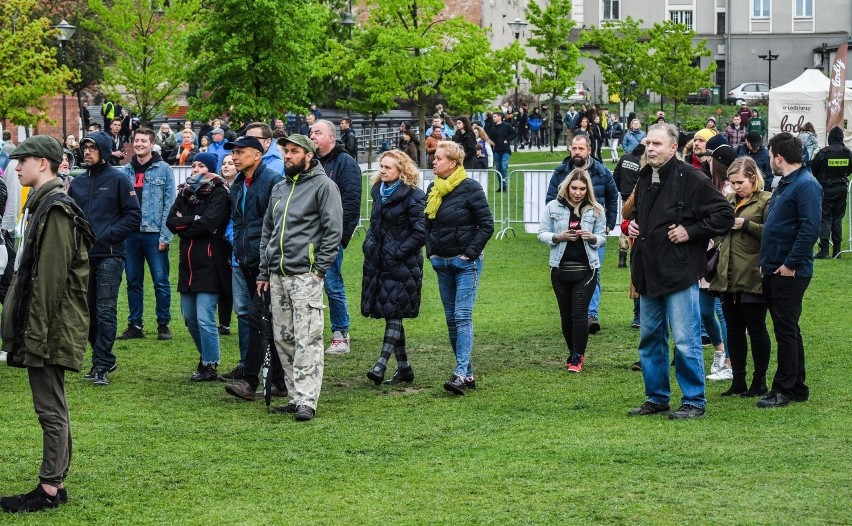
x,y
769,57
348,22
66,31
517,26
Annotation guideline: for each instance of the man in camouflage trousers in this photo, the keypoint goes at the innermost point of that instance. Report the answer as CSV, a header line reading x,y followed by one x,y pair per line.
x,y
302,230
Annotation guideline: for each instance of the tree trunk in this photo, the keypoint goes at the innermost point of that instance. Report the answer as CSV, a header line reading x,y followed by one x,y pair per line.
x,y
370,145
421,118
552,111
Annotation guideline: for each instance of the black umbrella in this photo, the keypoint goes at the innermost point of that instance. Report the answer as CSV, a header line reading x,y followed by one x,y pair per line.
x,y
266,334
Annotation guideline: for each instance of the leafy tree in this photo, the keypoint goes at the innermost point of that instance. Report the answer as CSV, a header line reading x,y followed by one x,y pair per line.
x,y
29,72
675,57
425,54
623,57
557,59
146,40
256,58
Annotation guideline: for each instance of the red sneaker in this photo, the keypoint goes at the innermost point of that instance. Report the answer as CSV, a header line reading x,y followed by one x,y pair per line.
x,y
575,364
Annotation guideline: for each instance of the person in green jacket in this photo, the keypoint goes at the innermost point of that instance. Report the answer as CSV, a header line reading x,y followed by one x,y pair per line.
x,y
45,317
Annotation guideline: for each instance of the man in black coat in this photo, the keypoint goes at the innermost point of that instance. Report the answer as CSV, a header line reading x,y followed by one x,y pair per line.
x,y
677,211
625,175
347,137
832,166
345,172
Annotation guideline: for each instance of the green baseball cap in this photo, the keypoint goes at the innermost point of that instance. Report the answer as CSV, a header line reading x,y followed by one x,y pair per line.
x,y
299,140
39,146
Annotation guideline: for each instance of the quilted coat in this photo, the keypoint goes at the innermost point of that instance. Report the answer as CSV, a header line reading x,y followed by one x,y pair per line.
x,y
393,254
463,224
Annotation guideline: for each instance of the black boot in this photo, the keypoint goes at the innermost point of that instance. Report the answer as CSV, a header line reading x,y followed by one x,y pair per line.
x,y
377,374
622,259
738,385
401,375
757,388
207,373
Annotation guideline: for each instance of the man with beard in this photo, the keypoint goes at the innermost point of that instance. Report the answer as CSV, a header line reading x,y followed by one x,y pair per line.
x,y
155,188
302,231
699,150
606,194
108,199
677,211
249,200
343,170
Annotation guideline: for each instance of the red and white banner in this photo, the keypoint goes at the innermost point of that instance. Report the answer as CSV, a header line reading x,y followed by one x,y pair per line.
x,y
836,89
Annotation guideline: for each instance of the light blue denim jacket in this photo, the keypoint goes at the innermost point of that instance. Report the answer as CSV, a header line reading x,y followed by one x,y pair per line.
x,y
158,196
554,220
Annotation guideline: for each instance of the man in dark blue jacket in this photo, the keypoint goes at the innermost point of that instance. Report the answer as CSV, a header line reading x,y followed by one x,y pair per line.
x,y
753,147
345,172
606,194
108,199
249,200
787,263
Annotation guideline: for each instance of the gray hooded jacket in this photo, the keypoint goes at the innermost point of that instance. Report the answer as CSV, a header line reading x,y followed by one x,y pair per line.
x,y
302,226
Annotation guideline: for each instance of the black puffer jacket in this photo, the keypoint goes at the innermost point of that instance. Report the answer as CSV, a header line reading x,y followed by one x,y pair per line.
x,y
463,224
468,143
341,168
393,254
204,254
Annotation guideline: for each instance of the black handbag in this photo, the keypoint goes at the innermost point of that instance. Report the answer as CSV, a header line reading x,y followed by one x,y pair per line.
x,y
712,262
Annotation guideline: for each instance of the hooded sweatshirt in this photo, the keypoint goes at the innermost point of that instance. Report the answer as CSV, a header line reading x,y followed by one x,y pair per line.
x,y
833,164
109,201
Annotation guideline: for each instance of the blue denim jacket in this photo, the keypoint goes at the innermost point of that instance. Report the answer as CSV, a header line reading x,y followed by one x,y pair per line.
x,y
554,220
158,196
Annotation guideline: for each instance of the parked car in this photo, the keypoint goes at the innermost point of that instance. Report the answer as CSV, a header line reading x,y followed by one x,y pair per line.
x,y
581,94
702,96
748,92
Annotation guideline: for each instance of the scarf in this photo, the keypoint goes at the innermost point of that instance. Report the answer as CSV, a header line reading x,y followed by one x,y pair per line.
x,y
184,153
386,190
199,186
442,187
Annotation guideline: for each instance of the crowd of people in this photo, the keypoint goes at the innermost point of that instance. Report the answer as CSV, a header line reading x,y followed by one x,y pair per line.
x,y
265,218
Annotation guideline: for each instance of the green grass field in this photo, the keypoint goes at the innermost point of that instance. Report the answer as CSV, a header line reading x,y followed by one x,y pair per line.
x,y
532,445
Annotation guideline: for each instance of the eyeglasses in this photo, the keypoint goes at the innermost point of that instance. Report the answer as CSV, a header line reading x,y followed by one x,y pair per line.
x,y
89,148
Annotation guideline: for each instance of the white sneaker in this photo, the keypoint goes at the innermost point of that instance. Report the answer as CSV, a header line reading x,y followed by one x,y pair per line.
x,y
2,356
725,373
339,343
718,362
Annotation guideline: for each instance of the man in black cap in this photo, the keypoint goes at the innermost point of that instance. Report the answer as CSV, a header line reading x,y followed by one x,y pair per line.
x,y
249,200
45,317
754,148
109,201
832,166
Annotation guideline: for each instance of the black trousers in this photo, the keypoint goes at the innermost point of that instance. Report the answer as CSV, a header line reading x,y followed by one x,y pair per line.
x,y
784,298
741,319
833,209
573,294
260,338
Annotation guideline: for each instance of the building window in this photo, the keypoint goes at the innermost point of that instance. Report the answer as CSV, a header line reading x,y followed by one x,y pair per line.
x,y
611,9
681,17
804,8
761,8
721,27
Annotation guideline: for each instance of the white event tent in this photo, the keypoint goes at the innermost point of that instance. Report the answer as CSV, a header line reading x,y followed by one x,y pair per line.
x,y
804,99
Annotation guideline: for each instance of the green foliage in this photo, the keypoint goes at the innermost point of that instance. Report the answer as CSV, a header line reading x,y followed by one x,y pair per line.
x,y
622,57
256,58
675,57
418,54
146,45
29,73
557,63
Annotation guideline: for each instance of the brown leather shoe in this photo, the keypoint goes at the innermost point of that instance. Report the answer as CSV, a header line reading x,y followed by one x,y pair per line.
x,y
241,389
277,392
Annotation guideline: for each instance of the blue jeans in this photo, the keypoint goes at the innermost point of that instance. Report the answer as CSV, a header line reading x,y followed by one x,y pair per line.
x,y
242,301
501,164
199,313
713,319
596,295
336,292
458,281
104,283
139,248
682,311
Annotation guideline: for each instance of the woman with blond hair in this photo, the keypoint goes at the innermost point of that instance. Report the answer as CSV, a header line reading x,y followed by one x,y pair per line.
x,y
393,258
738,278
458,225
574,226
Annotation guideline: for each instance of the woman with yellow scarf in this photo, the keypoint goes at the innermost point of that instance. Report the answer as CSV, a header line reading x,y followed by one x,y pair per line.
x,y
458,225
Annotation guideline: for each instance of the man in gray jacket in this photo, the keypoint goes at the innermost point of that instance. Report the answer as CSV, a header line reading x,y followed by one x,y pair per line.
x,y
301,235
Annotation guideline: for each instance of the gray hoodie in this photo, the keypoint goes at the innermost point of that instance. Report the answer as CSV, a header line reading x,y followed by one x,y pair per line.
x,y
302,226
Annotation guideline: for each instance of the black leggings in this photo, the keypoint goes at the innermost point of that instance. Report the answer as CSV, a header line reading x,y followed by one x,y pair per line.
x,y
745,318
573,294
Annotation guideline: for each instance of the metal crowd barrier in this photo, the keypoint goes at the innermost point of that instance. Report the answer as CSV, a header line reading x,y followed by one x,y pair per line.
x,y
848,219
